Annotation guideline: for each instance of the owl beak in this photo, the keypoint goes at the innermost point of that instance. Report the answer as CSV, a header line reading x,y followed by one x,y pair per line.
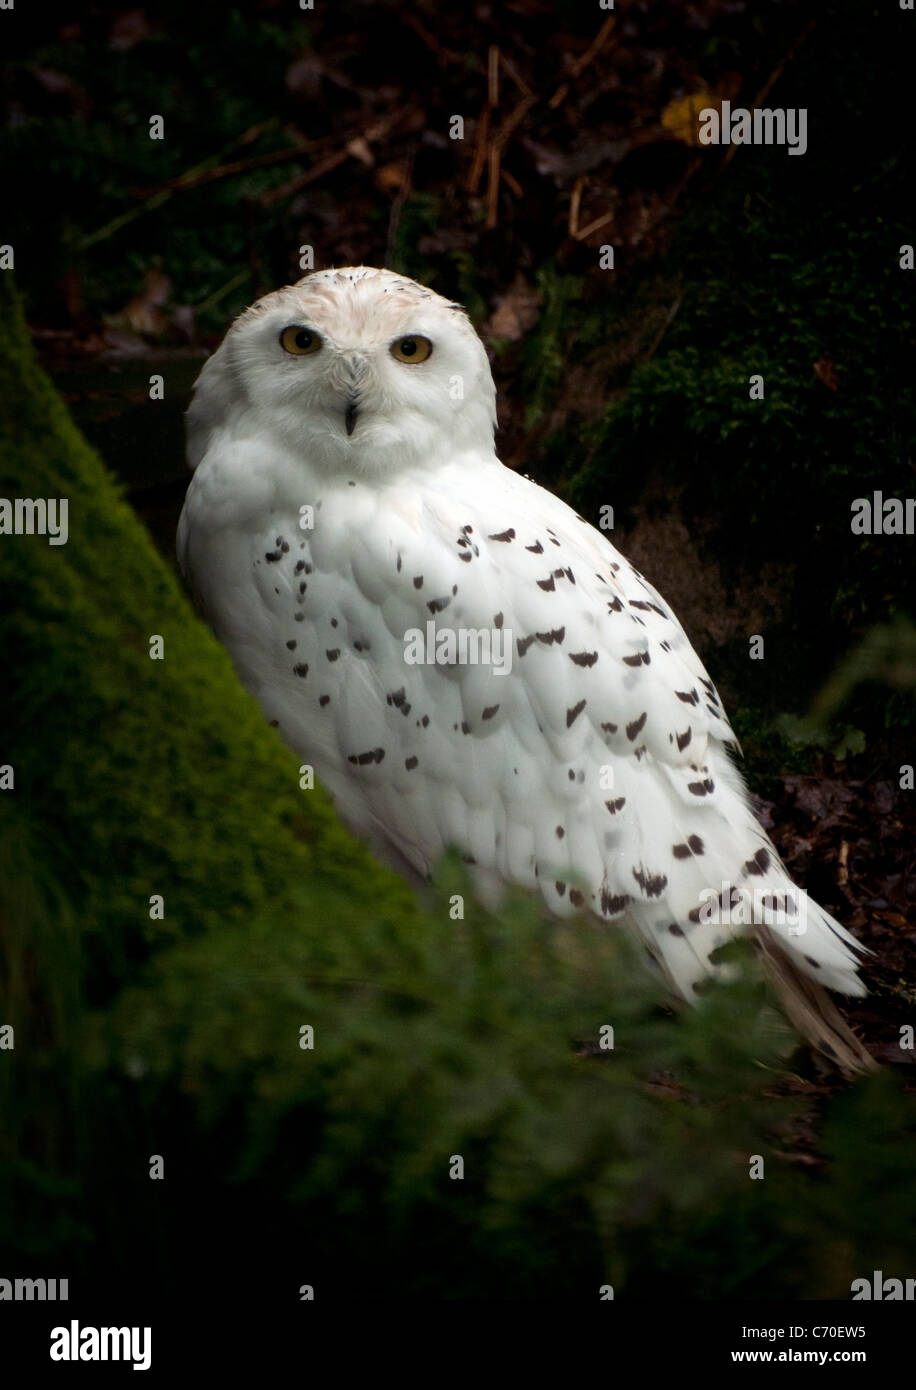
x,y
350,416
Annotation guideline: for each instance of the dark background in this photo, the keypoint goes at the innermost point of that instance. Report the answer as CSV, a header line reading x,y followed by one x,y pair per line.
x,y
330,128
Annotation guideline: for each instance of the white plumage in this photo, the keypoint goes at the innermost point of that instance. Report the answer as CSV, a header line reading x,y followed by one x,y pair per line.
x,y
597,769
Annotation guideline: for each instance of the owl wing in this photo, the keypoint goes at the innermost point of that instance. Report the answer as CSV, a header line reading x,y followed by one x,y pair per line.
x,y
586,757
596,769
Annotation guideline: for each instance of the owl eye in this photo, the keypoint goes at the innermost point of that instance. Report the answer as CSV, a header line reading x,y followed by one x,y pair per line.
x,y
299,341
412,349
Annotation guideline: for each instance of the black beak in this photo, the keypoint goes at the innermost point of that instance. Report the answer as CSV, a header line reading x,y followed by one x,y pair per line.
x,y
350,417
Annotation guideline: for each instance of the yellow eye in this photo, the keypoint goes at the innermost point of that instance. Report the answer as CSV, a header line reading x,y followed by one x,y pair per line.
x,y
412,349
299,341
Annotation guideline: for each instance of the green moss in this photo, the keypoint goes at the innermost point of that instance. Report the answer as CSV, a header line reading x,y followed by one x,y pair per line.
x,y
544,353
80,620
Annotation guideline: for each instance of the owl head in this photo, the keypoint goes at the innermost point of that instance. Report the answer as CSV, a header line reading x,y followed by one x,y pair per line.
x,y
355,371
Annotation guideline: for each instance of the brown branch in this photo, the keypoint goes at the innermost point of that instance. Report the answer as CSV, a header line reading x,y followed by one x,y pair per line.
x,y
493,186
593,226
575,231
493,75
665,325
322,166
397,206
582,62
508,127
444,55
480,151
574,201
192,179
516,76
771,83
377,131
512,182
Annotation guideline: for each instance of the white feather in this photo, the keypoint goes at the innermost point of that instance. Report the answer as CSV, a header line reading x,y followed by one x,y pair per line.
x,y
596,770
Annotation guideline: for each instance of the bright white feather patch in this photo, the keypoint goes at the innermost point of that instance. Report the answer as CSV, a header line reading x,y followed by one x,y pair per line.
x,y
596,770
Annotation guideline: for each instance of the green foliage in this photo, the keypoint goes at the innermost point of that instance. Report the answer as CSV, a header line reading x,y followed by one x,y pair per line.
x,y
545,352
463,1046
769,750
884,660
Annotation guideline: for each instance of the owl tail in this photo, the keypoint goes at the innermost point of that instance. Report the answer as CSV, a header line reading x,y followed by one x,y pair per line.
x,y
810,1009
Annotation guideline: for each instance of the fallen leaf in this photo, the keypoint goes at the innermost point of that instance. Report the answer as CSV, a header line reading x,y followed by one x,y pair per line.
x,y
516,312
360,149
304,76
681,117
144,313
128,28
390,178
825,371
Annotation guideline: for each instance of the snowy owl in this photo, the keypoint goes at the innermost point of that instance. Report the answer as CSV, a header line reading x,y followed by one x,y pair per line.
x,y
462,658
